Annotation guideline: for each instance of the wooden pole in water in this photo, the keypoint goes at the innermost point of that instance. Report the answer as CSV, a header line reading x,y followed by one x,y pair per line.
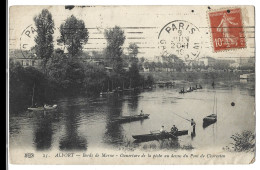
x,y
216,107
214,103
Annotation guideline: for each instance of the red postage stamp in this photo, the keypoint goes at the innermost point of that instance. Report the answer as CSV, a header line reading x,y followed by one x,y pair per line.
x,y
227,29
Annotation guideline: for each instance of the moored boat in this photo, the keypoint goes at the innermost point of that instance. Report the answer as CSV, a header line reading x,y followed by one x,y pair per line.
x,y
189,90
132,118
45,107
159,136
209,120
50,107
36,108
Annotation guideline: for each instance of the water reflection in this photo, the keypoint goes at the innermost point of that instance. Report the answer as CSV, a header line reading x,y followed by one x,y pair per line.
x,y
71,139
113,133
43,133
82,122
133,102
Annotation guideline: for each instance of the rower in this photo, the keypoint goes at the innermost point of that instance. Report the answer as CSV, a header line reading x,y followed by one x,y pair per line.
x,y
141,113
162,130
174,129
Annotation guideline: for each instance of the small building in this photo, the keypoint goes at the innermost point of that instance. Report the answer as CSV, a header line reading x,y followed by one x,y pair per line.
x,y
208,61
30,61
26,62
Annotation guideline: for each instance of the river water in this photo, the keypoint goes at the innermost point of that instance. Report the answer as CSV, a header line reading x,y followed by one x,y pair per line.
x,y
80,123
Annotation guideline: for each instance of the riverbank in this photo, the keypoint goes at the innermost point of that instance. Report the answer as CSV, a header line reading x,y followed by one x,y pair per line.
x,y
193,76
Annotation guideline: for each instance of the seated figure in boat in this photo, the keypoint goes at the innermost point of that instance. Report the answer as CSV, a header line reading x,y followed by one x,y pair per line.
x,y
162,130
174,129
141,113
35,105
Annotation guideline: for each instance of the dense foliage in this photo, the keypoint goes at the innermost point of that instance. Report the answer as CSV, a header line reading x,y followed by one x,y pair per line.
x,y
73,34
44,38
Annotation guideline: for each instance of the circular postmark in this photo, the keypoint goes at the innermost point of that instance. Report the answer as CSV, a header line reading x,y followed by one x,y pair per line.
x,y
27,40
180,38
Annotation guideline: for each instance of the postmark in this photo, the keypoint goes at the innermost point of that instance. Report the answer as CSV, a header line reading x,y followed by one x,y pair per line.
x,y
227,29
180,38
27,40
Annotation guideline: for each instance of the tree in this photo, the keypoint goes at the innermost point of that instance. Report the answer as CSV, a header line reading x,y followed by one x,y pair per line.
x,y
57,67
133,49
44,38
22,83
134,74
73,35
115,39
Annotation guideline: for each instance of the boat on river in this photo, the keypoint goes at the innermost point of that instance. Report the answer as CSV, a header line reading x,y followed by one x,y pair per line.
x,y
189,90
132,118
36,108
159,136
50,107
208,120
45,107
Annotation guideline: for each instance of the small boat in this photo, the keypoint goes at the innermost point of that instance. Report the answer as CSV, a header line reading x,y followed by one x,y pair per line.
x,y
208,120
36,108
50,107
189,90
105,93
182,92
159,136
45,107
132,118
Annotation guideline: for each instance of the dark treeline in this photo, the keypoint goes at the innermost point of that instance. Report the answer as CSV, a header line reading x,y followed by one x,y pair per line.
x,y
68,73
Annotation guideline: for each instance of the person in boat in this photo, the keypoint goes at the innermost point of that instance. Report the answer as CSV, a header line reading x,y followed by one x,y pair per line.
x,y
141,113
193,124
174,129
35,105
162,130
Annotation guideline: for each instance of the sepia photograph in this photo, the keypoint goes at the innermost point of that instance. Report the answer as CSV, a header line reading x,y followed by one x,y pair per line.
x,y
131,84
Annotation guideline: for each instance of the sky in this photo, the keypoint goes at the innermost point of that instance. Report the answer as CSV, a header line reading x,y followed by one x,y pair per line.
x,y
143,25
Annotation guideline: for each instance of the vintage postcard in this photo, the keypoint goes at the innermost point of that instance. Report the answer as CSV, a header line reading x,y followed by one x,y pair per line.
x,y
131,85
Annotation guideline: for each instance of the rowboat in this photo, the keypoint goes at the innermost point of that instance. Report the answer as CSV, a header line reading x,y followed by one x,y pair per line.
x,y
189,90
132,118
50,107
36,108
209,120
45,107
159,136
